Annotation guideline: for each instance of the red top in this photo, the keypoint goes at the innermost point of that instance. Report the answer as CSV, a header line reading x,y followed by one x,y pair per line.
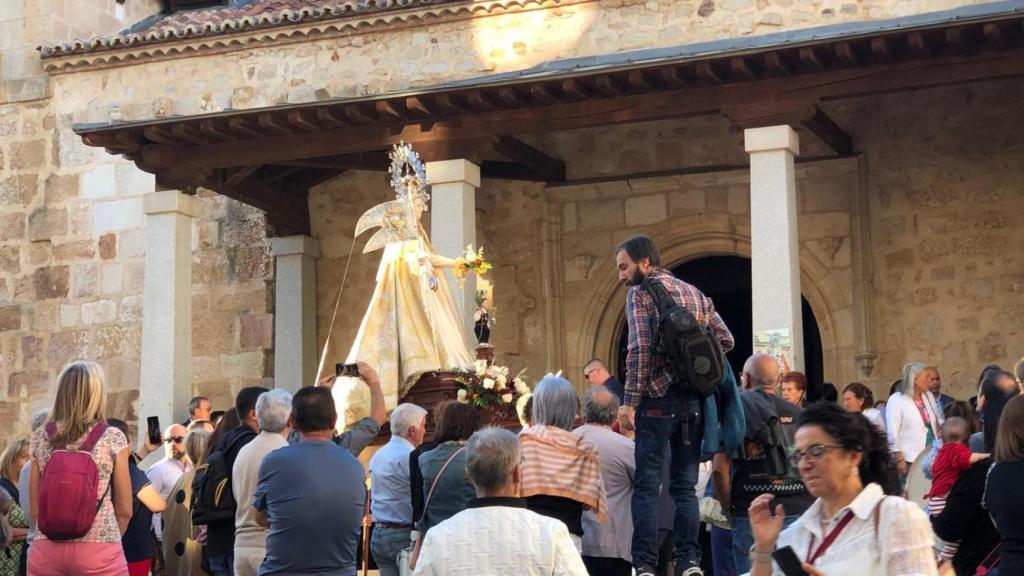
x,y
951,461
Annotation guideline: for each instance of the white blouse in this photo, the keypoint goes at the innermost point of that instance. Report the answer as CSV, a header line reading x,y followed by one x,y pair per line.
x,y
904,426
901,545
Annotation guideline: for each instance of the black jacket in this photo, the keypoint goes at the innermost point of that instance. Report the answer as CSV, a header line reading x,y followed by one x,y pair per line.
x,y
220,536
965,520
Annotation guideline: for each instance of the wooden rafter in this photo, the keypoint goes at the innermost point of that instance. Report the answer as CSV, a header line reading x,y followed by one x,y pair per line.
x,y
547,167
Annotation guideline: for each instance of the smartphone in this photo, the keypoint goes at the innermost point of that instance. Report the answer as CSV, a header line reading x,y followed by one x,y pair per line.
x,y
787,560
153,429
351,370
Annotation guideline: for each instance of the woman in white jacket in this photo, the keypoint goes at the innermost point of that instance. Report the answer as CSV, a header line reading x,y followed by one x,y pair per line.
x,y
912,417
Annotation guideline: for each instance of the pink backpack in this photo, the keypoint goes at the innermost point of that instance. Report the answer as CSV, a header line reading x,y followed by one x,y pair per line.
x,y
68,489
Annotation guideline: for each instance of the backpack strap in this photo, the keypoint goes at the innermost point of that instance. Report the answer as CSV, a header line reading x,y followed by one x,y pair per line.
x,y
94,437
657,292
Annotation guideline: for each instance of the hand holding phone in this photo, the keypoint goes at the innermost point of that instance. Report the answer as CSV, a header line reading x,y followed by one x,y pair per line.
x,y
153,429
787,560
350,370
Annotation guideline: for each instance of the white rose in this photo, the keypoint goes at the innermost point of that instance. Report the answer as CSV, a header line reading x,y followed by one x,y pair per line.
x,y
481,367
506,398
461,395
502,381
489,383
520,386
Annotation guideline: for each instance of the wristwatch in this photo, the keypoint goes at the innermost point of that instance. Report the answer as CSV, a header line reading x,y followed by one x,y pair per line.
x,y
759,557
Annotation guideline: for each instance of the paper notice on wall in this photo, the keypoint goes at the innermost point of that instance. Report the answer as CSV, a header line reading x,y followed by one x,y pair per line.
x,y
776,343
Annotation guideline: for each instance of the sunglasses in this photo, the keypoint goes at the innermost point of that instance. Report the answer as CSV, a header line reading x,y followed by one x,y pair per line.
x,y
175,439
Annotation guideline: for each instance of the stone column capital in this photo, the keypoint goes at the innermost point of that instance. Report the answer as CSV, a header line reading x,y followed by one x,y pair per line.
x,y
295,245
168,201
771,138
451,171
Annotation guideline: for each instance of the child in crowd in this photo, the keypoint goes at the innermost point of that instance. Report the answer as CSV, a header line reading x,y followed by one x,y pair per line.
x,y
953,459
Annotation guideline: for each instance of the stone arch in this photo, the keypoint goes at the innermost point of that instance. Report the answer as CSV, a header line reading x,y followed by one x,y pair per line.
x,y
697,237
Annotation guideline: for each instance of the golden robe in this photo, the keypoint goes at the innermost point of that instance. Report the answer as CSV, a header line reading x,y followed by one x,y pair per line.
x,y
408,329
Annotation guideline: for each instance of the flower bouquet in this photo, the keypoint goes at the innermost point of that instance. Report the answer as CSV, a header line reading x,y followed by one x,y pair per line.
x,y
490,386
471,261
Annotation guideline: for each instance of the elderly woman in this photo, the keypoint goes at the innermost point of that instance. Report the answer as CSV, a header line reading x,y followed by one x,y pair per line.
x,y
860,399
794,388
912,417
446,489
853,528
561,471
1003,496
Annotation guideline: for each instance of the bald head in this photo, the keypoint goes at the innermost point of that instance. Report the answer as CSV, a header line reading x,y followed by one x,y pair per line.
x,y
760,371
600,406
596,372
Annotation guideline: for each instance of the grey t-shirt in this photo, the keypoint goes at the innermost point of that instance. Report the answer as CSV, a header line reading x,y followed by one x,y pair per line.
x,y
353,440
314,495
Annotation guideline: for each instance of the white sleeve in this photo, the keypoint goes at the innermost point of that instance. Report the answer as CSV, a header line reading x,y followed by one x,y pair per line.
x,y
906,540
426,563
893,413
567,558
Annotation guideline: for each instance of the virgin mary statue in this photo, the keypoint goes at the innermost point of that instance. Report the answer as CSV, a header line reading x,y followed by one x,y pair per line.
x,y
412,324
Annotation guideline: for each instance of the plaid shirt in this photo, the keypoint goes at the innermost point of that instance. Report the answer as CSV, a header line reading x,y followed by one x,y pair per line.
x,y
648,373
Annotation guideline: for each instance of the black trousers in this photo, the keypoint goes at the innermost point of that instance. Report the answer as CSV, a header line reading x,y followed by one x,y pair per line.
x,y
598,566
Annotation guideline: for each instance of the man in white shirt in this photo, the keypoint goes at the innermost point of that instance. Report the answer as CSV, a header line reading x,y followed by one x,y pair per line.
x,y
272,412
165,474
606,547
496,535
390,488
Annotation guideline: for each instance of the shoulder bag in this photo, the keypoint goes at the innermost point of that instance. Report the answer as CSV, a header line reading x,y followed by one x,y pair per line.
x,y
408,556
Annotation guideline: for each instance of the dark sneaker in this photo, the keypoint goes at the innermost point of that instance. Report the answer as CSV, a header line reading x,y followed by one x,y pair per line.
x,y
646,570
691,568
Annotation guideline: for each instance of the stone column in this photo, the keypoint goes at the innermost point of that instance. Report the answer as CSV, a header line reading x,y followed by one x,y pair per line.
x,y
453,223
295,353
165,382
775,256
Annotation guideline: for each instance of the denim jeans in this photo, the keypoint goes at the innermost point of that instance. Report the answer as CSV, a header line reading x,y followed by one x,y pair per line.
x,y
743,539
386,543
721,552
222,565
657,426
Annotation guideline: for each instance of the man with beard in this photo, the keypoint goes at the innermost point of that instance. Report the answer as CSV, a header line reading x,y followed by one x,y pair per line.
x,y
165,474
662,413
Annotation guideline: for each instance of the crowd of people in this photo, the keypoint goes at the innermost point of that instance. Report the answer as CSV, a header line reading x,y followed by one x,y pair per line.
x,y
642,477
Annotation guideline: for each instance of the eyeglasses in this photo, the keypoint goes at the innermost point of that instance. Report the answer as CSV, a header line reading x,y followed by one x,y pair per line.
x,y
175,439
813,453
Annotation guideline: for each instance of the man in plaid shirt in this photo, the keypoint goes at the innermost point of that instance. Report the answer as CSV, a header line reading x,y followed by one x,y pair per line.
x,y
660,412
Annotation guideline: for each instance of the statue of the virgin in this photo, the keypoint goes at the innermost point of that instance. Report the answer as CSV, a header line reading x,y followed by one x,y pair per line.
x,y
412,325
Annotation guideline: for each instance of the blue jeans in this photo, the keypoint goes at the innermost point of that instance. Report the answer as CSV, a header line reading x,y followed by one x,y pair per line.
x,y
721,552
386,543
657,426
743,539
222,565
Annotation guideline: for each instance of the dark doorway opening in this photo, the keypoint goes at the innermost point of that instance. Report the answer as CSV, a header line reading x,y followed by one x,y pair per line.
x,y
726,280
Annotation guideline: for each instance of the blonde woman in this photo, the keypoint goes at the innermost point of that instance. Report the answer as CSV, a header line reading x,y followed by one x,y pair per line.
x,y
14,457
183,543
78,408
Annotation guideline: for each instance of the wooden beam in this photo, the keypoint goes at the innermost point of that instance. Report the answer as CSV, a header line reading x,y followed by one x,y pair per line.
x,y
214,130
955,39
919,45
741,69
708,72
671,76
303,119
639,81
576,89
329,117
511,96
160,134
549,168
500,170
288,214
608,85
995,36
481,101
273,122
451,103
882,50
774,63
242,125
358,113
830,133
847,54
390,110
421,106
186,132
811,59
543,94
233,178
834,84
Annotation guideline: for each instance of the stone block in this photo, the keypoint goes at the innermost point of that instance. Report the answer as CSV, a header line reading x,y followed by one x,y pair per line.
x,y
60,187
99,312
51,282
243,365
923,296
18,191
687,202
237,232
600,214
28,155
67,346
100,182
644,210
10,259
250,263
134,275
991,347
207,235
10,318
943,273
70,251
108,246
932,250
213,331
31,383
569,221
46,223
979,289
256,331
130,180
69,314
111,279
209,267
38,253
130,309
989,245
31,349
12,226
115,341
117,215
827,225
87,279
132,244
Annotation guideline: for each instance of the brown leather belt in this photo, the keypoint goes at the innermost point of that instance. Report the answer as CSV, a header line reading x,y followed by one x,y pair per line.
x,y
390,525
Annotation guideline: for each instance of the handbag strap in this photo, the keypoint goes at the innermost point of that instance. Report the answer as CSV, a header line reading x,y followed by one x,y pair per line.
x,y
438,477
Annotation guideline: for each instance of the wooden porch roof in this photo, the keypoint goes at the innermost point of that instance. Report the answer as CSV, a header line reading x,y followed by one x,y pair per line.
x,y
271,157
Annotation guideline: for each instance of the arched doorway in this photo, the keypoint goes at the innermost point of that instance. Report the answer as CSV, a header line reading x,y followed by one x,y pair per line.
x,y
726,280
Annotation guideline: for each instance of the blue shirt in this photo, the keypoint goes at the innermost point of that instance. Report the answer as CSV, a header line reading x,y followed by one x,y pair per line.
x,y
313,494
389,482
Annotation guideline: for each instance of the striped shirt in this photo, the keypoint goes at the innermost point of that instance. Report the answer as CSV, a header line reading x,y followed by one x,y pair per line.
x,y
648,373
557,462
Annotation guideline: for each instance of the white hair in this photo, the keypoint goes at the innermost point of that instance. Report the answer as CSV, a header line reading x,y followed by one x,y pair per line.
x,y
910,372
273,409
405,417
491,456
555,403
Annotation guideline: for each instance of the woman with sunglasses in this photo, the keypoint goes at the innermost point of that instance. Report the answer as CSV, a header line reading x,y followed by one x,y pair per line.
x,y
855,527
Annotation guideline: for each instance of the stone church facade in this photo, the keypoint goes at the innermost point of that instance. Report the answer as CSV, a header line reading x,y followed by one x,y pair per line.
x,y
908,240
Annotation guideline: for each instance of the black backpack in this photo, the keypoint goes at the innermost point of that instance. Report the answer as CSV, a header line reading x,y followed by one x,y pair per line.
x,y
694,354
212,496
